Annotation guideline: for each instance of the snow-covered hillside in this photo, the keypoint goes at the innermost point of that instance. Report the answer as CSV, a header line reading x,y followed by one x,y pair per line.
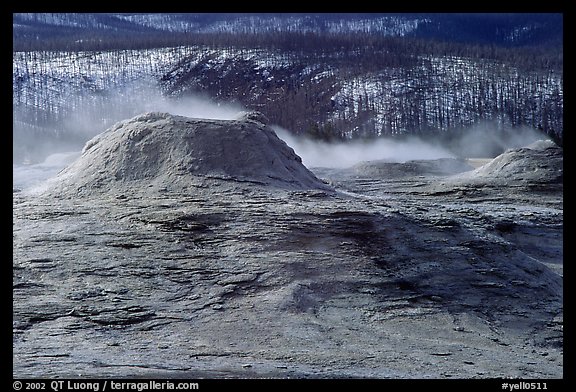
x,y
397,25
74,95
71,96
327,75
443,92
59,82
499,29
78,94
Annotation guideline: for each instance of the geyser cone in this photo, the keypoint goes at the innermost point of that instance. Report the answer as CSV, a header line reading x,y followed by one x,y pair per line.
x,y
173,152
538,163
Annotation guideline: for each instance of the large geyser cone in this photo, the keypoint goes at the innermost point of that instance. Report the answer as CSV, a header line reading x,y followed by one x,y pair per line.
x,y
167,151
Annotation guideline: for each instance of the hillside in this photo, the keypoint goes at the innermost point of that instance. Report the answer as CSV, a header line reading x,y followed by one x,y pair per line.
x,y
87,31
326,76
64,98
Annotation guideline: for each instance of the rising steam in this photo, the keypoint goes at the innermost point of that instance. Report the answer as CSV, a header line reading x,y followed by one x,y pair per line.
x,y
481,141
346,154
487,140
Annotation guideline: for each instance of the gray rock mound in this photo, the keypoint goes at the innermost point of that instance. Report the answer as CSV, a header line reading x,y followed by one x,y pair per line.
x,y
539,163
164,151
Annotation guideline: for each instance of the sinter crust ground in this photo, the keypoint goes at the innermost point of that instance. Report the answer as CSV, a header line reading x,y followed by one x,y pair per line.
x,y
390,276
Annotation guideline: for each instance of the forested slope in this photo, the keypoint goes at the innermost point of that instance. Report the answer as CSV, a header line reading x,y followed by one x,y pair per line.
x,y
335,78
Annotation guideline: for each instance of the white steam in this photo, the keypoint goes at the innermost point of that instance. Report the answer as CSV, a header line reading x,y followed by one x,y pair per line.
x,y
33,175
487,140
484,140
136,99
346,154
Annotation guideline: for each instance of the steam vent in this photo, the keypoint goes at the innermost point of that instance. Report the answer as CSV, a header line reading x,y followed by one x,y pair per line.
x,y
169,152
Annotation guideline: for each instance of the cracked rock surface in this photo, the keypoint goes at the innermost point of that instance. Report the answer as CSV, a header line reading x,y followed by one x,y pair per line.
x,y
384,274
